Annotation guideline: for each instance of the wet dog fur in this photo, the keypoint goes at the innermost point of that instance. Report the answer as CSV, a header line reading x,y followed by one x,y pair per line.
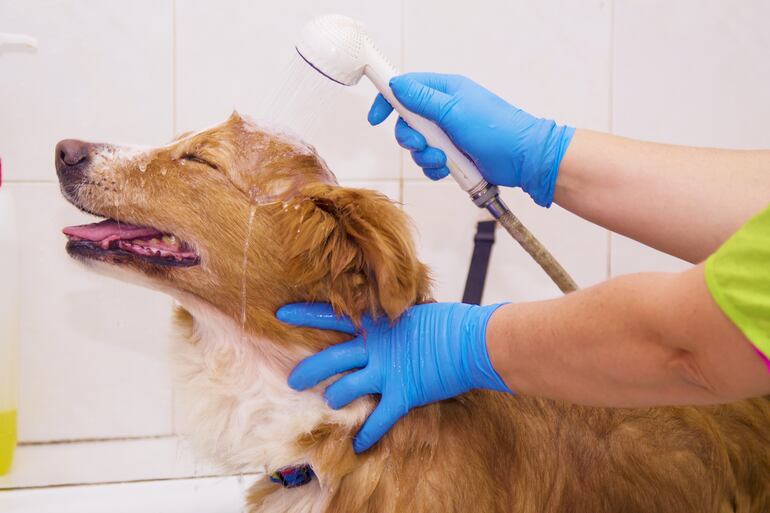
x,y
271,226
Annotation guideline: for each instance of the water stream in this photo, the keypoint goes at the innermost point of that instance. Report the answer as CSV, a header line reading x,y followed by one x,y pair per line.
x,y
245,263
300,98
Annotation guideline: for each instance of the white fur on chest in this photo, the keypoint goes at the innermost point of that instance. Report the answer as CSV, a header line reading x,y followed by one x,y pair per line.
x,y
239,411
236,407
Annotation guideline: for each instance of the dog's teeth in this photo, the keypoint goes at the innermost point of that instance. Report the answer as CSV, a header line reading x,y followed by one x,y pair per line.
x,y
169,240
154,241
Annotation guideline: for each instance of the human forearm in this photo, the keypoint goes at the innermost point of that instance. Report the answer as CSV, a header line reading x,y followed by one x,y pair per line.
x,y
632,341
683,201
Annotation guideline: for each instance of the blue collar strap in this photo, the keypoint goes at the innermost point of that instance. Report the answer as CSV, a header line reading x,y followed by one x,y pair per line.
x,y
292,477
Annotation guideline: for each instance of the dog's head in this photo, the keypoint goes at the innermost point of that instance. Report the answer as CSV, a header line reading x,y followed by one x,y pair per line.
x,y
242,218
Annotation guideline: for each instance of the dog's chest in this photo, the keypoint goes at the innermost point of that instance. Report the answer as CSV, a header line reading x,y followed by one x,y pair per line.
x,y
236,407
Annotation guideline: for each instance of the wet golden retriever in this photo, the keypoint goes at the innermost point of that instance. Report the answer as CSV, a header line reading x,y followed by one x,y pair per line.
x,y
238,220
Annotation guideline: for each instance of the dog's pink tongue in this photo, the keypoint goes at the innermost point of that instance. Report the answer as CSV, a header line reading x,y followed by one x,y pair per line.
x,y
110,230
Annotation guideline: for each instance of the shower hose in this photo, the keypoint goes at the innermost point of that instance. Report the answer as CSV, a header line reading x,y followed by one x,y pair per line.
x,y
489,198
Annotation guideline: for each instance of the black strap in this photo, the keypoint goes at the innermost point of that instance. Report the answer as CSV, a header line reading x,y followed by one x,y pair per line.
x,y
477,274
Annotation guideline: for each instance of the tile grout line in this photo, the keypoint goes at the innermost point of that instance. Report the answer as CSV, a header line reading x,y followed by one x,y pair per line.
x,y
174,129
129,481
28,181
403,66
39,443
611,110
173,68
611,81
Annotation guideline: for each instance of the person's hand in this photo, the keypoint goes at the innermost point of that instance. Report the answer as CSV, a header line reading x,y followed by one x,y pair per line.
x,y
433,351
508,146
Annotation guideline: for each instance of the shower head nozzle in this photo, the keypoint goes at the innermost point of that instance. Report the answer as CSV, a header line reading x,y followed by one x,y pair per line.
x,y
338,47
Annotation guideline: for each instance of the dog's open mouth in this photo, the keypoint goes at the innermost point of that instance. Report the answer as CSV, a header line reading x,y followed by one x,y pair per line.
x,y
119,242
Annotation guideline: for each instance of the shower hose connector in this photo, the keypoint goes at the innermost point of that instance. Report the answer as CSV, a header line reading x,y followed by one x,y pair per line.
x,y
487,196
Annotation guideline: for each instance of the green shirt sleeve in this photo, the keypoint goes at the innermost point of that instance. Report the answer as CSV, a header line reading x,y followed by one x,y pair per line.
x,y
738,277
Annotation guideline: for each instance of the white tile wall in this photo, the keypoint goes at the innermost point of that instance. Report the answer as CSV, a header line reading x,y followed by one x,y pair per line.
x,y
93,350
629,256
690,72
210,495
239,54
108,461
93,361
693,72
103,72
549,57
90,366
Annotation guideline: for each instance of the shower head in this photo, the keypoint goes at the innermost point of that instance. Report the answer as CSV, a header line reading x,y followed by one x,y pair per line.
x,y
338,47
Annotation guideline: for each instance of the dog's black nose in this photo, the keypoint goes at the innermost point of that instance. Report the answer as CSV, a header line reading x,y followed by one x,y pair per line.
x,y
72,158
71,154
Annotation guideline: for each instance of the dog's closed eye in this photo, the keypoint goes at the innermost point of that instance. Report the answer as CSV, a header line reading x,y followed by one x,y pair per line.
x,y
192,157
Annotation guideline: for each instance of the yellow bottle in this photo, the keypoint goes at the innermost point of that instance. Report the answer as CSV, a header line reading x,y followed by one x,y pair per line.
x,y
7,439
9,325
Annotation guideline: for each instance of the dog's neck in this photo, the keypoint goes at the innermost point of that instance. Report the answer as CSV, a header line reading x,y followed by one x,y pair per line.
x,y
240,411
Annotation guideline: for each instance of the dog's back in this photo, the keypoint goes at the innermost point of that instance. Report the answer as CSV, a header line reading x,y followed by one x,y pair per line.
x,y
486,452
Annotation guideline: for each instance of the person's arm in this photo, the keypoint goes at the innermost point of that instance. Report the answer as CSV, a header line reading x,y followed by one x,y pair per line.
x,y
683,201
638,340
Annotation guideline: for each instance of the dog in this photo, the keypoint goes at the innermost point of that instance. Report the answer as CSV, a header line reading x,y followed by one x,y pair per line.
x,y
237,220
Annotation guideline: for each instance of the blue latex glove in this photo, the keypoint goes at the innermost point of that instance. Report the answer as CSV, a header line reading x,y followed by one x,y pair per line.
x,y
509,146
432,352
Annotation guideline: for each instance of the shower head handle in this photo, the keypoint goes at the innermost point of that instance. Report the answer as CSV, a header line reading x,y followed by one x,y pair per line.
x,y
340,48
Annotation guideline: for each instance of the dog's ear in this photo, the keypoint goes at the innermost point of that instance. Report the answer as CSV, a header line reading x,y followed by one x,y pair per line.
x,y
353,248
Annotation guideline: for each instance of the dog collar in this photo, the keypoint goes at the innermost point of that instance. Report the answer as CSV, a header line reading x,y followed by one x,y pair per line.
x,y
292,477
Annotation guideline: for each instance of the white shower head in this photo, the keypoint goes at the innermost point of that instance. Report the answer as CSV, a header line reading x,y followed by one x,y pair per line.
x,y
336,46
340,48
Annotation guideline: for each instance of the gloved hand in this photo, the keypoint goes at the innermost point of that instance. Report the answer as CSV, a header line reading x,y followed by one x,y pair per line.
x,y
508,146
433,351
